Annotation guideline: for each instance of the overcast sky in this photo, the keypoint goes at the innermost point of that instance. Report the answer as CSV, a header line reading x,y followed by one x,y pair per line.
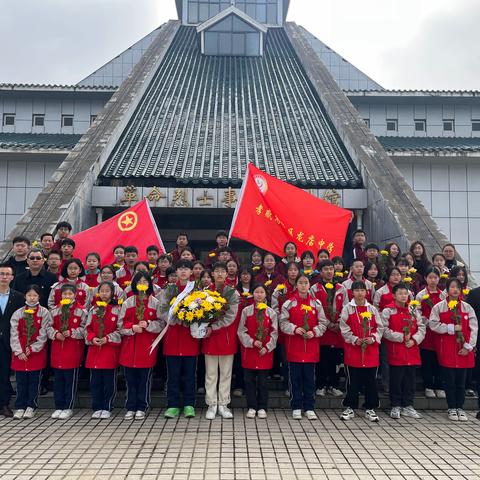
x,y
399,43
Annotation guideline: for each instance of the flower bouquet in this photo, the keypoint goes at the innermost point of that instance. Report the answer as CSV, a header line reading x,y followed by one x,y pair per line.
x,y
453,307
29,325
366,330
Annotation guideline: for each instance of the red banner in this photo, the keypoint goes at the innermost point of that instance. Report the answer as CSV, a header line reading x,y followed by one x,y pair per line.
x,y
271,212
134,226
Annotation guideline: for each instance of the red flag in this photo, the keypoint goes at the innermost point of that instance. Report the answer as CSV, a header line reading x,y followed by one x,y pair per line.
x,y
134,226
271,212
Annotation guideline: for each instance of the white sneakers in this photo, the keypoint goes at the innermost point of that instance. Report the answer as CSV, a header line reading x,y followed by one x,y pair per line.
x,y
29,413
452,414
262,413
97,414
311,415
429,393
130,415
440,394
395,413
462,416
101,414
56,414
62,414
18,414
211,412
251,413
139,415
347,414
225,412
410,412
297,414
321,392
371,415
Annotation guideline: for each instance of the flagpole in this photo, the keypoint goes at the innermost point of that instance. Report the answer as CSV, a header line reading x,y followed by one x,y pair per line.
x,y
239,202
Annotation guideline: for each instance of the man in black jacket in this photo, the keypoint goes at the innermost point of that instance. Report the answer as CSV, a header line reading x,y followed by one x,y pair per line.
x,y
473,298
10,301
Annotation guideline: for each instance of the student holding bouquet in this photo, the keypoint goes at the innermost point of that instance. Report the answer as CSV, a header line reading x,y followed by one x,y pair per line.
x,y
303,322
103,339
140,321
361,329
28,340
67,332
258,333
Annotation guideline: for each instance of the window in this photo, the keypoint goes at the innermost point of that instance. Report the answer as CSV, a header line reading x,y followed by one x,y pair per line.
x,y
420,125
367,122
38,120
475,125
392,125
67,121
8,119
449,125
92,119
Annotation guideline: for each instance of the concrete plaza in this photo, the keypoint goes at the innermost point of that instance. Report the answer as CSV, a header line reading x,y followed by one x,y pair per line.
x,y
278,447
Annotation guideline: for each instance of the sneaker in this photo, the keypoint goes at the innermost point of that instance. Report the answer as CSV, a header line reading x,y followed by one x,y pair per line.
x,y
395,413
66,414
139,415
347,414
105,414
29,413
211,412
452,414
469,392
251,413
287,393
18,414
188,411
321,392
129,415
225,412
56,414
238,392
429,393
371,415
410,412
440,394
262,413
311,415
297,414
172,412
97,414
201,390
462,416
335,392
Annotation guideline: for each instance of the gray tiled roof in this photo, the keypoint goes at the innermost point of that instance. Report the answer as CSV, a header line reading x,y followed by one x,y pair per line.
x,y
447,144
38,141
202,119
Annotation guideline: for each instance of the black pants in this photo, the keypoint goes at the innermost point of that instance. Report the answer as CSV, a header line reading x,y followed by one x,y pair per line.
x,y
384,366
455,386
139,387
330,358
65,388
181,371
256,389
431,370
28,388
6,389
47,371
103,385
302,385
358,378
237,371
402,385
201,371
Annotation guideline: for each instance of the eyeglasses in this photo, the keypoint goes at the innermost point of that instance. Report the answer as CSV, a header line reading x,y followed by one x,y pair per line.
x,y
35,258
5,274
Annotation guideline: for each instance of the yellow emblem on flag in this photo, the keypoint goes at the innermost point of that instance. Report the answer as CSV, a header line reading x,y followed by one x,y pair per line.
x,y
127,222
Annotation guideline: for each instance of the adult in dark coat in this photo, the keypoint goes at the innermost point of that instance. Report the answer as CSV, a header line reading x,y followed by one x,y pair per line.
x,y
473,298
10,301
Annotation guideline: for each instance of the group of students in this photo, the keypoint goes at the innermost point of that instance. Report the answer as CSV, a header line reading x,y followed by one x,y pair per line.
x,y
300,316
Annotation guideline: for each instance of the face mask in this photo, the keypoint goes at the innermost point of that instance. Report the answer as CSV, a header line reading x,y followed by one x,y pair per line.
x,y
31,305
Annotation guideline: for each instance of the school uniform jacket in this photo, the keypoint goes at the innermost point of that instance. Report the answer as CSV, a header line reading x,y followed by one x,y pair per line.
x,y
178,341
135,349
370,288
106,356
299,349
425,309
247,331
93,279
395,319
37,360
82,297
119,294
330,337
68,353
282,266
351,327
124,275
129,292
223,339
384,296
264,278
442,321
277,302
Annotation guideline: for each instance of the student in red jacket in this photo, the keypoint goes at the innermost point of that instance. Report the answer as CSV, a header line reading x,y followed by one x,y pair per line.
x,y
431,371
103,339
92,270
219,347
332,296
357,272
258,333
139,322
159,277
362,330
403,331
290,250
67,332
267,275
303,322
180,349
456,324
126,271
107,274
28,340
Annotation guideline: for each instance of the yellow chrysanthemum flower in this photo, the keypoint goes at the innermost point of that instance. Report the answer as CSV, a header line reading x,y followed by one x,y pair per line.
x,y
29,311
452,304
443,275
339,274
408,279
280,286
306,308
211,255
65,301
329,286
366,315
412,270
189,316
217,306
172,301
466,291
120,302
246,294
127,283
307,272
199,314
142,288
256,268
426,296
181,315
262,306
101,304
415,303
268,283
151,266
384,253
